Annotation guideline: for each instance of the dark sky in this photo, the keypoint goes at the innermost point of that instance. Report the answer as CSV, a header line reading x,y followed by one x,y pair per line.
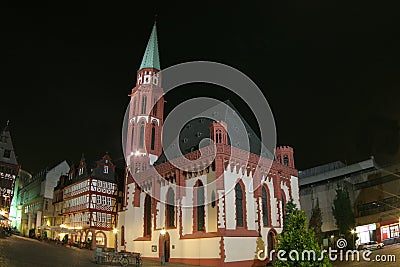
x,y
329,69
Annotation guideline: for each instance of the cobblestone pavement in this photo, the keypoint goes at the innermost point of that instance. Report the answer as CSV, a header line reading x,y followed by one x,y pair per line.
x,y
376,255
16,251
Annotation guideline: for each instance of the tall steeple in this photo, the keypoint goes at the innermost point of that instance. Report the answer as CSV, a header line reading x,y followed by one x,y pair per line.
x,y
151,57
146,110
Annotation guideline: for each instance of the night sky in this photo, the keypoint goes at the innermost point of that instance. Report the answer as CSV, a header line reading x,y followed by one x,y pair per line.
x,y
329,70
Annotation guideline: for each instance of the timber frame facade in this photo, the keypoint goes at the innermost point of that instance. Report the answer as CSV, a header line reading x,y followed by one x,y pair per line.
x,y
90,202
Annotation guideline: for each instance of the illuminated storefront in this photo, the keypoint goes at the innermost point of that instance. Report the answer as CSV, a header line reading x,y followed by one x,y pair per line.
x,y
366,233
390,231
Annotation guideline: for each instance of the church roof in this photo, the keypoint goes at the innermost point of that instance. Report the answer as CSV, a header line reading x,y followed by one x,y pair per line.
x,y
197,129
151,57
7,153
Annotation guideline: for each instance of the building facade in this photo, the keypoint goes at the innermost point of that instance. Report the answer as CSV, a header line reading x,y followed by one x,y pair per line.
x,y
373,191
9,169
35,197
208,212
87,202
16,206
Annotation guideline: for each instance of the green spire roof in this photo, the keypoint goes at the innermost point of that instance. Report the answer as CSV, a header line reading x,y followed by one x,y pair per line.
x,y
151,58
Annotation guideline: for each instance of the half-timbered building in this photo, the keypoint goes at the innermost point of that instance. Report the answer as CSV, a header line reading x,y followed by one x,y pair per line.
x,y
9,169
89,202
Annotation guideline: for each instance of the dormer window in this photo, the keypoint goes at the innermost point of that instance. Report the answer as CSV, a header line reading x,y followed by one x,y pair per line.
x,y
105,169
7,153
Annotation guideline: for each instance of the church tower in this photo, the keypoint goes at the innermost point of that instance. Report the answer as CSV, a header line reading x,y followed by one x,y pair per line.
x,y
146,111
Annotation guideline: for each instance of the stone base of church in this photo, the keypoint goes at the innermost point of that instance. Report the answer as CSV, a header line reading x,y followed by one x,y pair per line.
x,y
215,262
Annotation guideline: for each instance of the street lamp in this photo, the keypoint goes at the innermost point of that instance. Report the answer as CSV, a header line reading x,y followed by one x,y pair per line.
x,y
353,232
115,231
163,232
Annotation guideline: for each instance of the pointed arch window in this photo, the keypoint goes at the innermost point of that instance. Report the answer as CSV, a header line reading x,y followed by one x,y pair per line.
x,y
144,100
170,211
147,216
199,213
239,205
265,209
133,138
141,135
153,137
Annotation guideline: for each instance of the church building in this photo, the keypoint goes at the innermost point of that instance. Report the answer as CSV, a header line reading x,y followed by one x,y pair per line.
x,y
206,213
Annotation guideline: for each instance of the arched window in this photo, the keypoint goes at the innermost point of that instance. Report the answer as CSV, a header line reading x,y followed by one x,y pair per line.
x,y
144,100
147,216
170,212
153,136
101,239
199,222
239,205
133,138
265,209
141,135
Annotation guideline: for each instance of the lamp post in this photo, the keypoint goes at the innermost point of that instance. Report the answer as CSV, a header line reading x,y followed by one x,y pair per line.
x,y
353,232
115,231
163,232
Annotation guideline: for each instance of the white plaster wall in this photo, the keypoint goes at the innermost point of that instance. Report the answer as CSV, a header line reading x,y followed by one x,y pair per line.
x,y
230,211
52,177
187,213
221,213
197,248
239,248
285,189
274,202
250,203
294,185
183,248
132,220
